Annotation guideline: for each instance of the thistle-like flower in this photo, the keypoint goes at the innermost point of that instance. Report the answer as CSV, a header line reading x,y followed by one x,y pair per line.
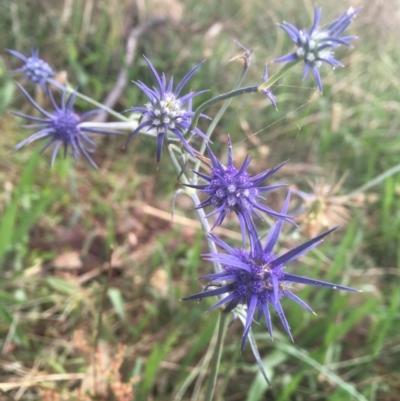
x,y
63,127
316,45
35,69
257,279
166,111
233,190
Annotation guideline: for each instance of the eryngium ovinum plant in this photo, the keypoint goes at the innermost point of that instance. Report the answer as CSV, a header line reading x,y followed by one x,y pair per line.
x,y
248,280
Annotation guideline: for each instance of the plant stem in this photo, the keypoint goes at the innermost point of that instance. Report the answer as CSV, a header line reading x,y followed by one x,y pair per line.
x,y
88,99
238,92
216,119
206,228
217,357
100,319
208,103
196,202
128,125
277,76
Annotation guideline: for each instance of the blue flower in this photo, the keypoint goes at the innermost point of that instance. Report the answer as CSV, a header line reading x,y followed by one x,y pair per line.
x,y
62,128
257,279
316,45
166,111
35,69
268,92
233,190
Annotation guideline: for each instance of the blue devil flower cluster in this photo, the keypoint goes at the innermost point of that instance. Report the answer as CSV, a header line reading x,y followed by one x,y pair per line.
x,y
233,190
256,278
166,111
316,46
63,127
35,69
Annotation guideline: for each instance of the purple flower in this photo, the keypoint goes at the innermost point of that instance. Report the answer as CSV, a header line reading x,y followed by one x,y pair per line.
x,y
35,69
233,190
166,111
62,128
268,92
257,279
316,45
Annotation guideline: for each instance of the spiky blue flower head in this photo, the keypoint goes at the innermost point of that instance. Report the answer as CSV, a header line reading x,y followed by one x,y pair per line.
x,y
166,111
233,190
62,128
316,45
257,279
35,69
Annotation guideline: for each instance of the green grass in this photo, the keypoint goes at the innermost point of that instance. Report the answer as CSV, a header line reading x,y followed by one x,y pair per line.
x,y
57,225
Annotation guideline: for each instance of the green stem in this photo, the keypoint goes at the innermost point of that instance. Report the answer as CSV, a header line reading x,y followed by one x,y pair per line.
x,y
377,180
128,125
196,202
238,92
206,228
277,76
175,164
88,99
217,357
220,113
208,103
100,319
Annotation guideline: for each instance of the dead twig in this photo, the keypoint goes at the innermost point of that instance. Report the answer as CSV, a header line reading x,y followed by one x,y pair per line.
x,y
33,381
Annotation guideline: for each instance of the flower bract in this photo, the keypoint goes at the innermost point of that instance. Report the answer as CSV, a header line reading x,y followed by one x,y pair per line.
x,y
62,128
166,111
35,69
233,190
267,92
257,279
317,45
